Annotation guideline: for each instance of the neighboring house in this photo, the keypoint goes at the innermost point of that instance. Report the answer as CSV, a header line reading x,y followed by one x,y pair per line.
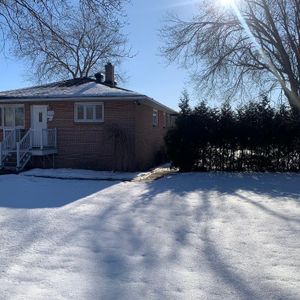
x,y
82,123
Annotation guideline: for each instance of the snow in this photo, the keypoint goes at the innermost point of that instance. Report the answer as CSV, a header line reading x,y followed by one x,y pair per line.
x,y
82,174
85,89
186,236
88,89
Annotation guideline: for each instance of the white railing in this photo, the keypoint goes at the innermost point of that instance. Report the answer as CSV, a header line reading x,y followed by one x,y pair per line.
x,y
49,137
1,155
34,139
10,139
9,131
45,138
23,147
8,144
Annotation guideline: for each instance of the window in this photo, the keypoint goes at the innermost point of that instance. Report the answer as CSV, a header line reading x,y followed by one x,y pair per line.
x,y
165,120
99,112
12,116
155,118
40,117
89,112
168,121
19,116
80,112
172,121
9,117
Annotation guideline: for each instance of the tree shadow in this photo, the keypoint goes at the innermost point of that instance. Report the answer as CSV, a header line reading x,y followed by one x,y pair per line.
x,y
31,193
130,244
268,210
274,185
278,187
237,280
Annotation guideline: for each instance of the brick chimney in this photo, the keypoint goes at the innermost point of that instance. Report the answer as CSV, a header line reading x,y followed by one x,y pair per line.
x,y
110,74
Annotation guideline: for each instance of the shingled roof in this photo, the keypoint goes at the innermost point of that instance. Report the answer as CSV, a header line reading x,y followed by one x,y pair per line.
x,y
74,88
80,88
70,90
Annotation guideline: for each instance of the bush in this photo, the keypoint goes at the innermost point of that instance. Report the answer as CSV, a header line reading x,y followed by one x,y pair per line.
x,y
255,137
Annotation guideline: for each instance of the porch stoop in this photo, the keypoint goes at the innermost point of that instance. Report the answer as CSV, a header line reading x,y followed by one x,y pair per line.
x,y
15,154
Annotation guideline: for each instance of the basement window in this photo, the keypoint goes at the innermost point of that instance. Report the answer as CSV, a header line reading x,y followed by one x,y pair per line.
x,y
89,112
12,116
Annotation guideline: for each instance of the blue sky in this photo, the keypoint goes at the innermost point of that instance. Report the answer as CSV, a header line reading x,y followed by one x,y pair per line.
x,y
147,72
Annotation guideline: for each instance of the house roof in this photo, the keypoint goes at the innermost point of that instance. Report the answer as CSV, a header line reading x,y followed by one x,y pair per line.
x,y
70,90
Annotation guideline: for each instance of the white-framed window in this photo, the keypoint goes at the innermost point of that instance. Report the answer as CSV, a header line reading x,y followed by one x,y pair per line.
x,y
89,112
165,122
155,118
168,120
12,116
172,121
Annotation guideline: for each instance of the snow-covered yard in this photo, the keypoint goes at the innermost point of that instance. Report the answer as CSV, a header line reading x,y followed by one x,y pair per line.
x,y
188,236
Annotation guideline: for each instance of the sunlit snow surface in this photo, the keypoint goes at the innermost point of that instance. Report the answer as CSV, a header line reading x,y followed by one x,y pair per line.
x,y
56,90
190,236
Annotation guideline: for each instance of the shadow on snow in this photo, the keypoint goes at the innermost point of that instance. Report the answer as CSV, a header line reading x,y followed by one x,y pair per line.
x,y
113,245
30,192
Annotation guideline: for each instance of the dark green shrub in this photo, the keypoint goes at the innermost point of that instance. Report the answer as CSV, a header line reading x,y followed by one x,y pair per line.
x,y
255,137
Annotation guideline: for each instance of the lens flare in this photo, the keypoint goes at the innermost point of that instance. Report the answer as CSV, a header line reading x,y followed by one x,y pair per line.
x,y
226,2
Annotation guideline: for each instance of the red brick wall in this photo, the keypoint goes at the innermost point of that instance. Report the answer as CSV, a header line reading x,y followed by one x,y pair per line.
x,y
149,140
93,146
125,140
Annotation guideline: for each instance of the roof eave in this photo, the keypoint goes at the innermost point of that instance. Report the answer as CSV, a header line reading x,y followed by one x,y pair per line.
x,y
75,98
158,104
136,97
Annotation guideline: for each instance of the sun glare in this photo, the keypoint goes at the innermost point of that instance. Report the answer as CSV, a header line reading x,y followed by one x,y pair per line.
x,y
226,2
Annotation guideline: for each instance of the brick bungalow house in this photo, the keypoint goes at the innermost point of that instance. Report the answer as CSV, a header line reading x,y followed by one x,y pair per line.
x,y
82,123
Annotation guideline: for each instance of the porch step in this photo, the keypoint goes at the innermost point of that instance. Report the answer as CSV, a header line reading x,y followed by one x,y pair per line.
x,y
34,143
10,162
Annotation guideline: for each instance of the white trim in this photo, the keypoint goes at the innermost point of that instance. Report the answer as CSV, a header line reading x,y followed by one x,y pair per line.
x,y
31,112
2,125
140,98
155,111
38,139
85,120
165,120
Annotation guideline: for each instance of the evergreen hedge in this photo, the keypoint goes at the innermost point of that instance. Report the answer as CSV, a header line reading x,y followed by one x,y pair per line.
x,y
254,137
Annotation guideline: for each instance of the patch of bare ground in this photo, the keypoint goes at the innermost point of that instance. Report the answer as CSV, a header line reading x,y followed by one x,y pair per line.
x,y
155,174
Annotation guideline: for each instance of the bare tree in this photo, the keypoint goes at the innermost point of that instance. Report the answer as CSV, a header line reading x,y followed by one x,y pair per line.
x,y
252,46
65,39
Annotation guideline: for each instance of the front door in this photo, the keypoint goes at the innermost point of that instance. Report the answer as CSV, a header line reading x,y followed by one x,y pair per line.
x,y
39,124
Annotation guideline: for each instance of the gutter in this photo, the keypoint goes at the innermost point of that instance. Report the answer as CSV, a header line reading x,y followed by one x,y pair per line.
x,y
141,98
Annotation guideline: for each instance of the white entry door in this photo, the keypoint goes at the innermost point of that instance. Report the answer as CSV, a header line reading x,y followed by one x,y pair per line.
x,y
39,124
